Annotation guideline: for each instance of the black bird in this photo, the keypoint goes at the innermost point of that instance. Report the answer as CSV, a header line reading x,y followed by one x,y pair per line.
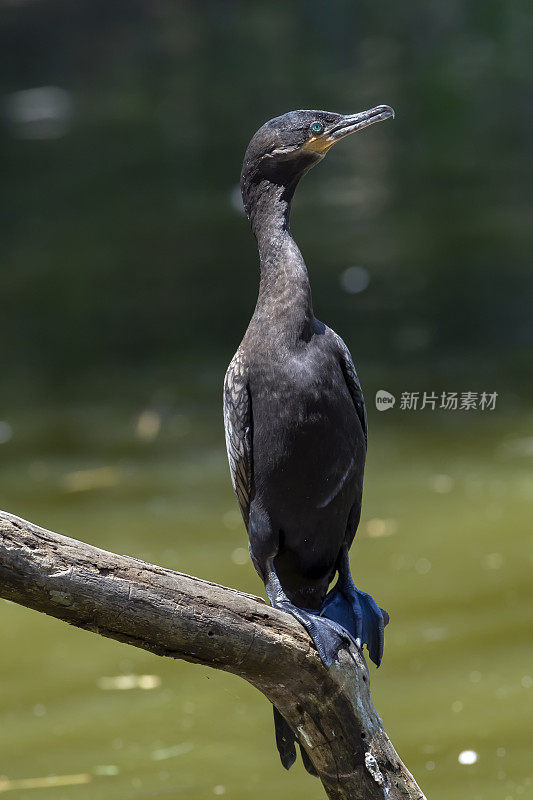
x,y
294,412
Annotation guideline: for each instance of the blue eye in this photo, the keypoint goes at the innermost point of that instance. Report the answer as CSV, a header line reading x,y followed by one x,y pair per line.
x,y
317,128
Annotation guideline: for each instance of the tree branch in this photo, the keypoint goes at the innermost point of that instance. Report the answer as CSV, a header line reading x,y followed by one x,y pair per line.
x,y
176,615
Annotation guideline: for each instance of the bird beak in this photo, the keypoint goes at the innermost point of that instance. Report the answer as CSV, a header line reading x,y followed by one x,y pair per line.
x,y
348,124
355,122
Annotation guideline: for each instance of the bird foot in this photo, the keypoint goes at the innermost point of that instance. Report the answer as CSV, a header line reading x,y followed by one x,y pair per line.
x,y
329,637
358,613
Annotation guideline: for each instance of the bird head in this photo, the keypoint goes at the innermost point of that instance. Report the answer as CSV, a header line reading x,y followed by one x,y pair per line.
x,y
286,147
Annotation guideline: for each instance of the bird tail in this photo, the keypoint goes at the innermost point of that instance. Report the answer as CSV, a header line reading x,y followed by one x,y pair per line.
x,y
286,744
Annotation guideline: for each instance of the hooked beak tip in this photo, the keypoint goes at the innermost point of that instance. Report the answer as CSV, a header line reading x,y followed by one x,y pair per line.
x,y
383,111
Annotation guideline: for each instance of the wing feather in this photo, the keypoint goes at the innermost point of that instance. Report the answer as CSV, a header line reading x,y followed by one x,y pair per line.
x,y
352,381
237,425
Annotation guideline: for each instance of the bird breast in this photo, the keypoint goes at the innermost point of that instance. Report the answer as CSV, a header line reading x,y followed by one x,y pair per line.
x,y
308,444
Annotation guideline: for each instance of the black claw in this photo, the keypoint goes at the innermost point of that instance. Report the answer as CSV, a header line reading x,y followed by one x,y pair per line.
x,y
373,627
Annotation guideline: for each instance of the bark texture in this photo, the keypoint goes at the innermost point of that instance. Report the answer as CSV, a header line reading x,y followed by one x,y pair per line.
x,y
179,616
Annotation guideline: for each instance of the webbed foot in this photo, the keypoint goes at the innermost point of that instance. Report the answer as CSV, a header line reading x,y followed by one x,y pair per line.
x,y
329,637
358,613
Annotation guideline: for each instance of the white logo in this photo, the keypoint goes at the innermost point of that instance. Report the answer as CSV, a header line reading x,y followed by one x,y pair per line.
x,y
384,400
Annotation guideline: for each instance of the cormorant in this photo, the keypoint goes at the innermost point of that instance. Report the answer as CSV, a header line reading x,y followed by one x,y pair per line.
x,y
294,413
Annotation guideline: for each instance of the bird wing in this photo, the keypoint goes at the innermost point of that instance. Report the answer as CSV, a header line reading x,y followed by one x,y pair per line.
x,y
352,381
238,428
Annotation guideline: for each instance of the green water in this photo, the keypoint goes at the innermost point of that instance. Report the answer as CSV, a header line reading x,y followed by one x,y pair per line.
x,y
445,545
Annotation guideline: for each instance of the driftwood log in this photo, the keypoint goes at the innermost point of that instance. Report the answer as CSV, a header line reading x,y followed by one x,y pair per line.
x,y
179,616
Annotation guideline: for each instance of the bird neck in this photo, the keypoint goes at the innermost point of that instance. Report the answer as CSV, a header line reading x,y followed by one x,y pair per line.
x,y
284,299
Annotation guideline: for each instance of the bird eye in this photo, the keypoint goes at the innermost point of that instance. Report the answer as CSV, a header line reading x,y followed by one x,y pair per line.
x,y
317,128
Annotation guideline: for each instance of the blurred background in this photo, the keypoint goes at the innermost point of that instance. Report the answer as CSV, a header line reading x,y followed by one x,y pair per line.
x,y
128,274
